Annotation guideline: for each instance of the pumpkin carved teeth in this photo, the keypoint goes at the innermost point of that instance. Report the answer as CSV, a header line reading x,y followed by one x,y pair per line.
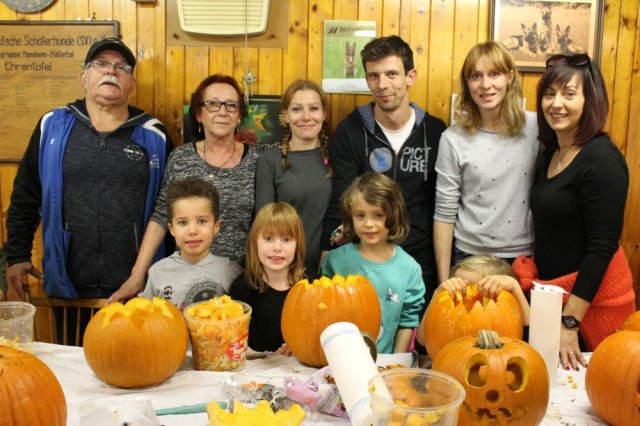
x,y
505,379
498,416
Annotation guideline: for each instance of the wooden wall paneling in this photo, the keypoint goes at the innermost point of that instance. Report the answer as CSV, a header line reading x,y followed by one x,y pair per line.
x,y
405,19
245,60
368,10
101,10
440,58
27,16
391,17
318,13
342,104
74,10
7,14
125,12
159,46
294,59
609,46
619,97
529,85
196,69
421,45
631,230
270,71
55,12
174,93
7,174
483,20
221,60
465,36
146,67
371,10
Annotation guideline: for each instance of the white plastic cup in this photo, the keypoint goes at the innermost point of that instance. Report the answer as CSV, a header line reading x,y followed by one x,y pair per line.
x,y
16,321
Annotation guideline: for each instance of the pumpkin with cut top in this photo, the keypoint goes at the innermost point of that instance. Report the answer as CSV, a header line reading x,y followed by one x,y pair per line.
x,y
448,318
138,344
311,307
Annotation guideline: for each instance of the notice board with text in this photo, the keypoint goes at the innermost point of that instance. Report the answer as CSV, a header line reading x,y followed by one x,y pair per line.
x,y
40,65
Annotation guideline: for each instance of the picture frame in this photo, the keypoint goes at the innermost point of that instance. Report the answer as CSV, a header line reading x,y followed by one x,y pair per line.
x,y
533,30
262,127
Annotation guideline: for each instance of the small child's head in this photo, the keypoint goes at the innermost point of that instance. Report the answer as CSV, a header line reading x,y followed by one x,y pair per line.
x,y
478,266
193,209
275,242
374,193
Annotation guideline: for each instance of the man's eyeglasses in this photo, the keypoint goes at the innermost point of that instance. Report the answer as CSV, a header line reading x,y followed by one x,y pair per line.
x,y
579,60
214,106
103,65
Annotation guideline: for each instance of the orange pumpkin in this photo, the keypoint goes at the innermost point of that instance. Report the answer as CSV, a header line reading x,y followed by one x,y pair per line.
x,y
138,344
449,318
632,322
506,380
310,307
613,378
30,394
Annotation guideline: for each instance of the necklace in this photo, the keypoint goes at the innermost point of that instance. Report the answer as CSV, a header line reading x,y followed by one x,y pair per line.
x,y
204,155
560,165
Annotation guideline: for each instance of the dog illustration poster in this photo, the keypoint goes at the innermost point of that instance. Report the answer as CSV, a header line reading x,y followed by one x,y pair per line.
x,y
342,70
535,30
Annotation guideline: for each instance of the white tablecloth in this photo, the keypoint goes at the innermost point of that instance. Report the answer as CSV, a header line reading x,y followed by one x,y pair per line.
x,y
568,405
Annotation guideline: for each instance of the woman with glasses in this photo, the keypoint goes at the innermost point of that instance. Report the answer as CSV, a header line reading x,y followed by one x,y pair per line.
x,y
216,109
298,171
485,164
578,202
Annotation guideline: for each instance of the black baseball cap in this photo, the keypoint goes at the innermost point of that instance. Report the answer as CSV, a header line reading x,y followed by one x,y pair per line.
x,y
110,43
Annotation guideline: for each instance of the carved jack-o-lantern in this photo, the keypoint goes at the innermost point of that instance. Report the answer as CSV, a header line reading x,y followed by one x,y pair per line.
x,y
613,378
506,379
448,318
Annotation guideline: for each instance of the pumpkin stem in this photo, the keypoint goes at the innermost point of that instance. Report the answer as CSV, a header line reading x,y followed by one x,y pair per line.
x,y
488,340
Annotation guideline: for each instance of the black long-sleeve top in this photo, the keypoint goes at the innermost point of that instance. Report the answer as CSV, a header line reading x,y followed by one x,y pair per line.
x,y
264,329
578,214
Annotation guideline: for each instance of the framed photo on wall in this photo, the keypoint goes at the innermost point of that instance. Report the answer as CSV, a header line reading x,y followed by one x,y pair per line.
x,y
533,30
261,127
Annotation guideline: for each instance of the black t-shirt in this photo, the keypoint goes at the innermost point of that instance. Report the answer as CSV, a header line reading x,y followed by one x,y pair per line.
x,y
264,329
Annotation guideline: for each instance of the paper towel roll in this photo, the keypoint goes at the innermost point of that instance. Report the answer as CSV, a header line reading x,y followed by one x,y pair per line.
x,y
544,325
351,367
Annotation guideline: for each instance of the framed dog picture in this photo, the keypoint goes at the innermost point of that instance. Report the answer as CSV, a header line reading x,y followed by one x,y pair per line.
x,y
533,30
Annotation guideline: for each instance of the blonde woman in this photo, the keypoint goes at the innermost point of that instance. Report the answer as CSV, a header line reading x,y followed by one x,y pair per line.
x,y
485,164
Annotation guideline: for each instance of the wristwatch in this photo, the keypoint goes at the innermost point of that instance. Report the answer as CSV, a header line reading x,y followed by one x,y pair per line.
x,y
570,322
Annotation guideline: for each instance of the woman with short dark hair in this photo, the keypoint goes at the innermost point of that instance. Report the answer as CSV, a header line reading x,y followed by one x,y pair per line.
x,y
577,203
217,107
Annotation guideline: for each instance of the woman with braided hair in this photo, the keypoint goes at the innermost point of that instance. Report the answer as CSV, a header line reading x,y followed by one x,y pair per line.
x,y
298,171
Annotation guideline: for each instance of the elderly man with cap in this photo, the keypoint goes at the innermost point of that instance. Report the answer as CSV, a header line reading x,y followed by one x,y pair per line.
x,y
91,173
